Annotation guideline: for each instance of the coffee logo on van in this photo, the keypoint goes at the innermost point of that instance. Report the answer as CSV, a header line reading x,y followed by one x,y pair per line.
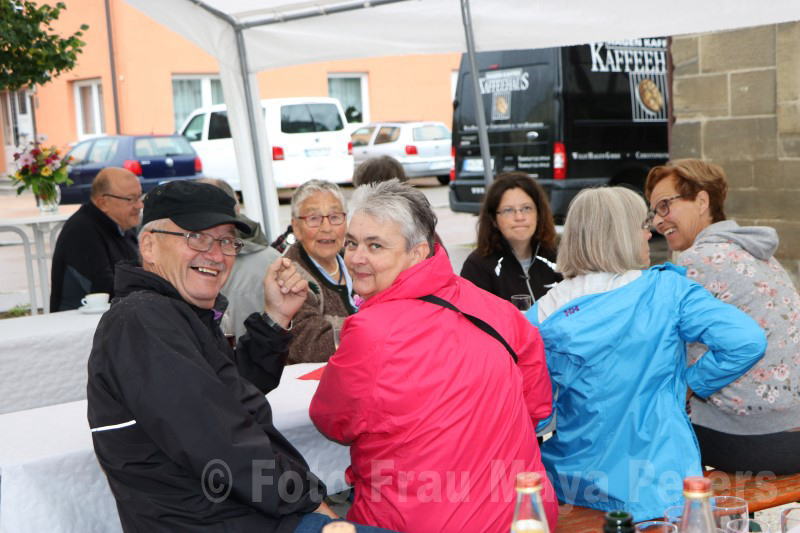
x,y
635,55
501,106
650,95
498,81
644,61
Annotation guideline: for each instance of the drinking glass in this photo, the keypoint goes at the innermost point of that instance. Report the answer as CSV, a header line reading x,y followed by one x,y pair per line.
x,y
737,526
790,520
727,509
656,526
337,336
521,301
673,514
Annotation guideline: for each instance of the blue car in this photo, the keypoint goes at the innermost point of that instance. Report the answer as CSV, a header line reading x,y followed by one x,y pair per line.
x,y
154,158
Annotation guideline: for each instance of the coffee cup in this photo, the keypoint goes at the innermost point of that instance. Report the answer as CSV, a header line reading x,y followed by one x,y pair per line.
x,y
95,300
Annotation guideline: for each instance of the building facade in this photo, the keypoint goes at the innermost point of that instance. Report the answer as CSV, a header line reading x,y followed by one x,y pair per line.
x,y
136,76
736,97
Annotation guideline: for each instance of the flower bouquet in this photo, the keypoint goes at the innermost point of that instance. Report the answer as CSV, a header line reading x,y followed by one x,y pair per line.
x,y
41,169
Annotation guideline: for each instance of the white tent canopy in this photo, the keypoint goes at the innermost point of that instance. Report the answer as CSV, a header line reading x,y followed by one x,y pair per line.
x,y
248,36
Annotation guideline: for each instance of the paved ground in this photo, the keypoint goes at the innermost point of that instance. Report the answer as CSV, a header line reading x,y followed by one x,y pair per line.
x,y
456,229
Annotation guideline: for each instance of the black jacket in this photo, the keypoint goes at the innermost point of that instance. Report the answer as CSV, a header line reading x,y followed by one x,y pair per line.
x,y
502,274
175,426
88,247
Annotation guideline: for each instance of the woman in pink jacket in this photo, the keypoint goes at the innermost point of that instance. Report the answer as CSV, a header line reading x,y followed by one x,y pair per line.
x,y
439,416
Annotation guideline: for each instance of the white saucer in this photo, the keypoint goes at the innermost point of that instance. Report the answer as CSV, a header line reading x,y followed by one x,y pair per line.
x,y
94,310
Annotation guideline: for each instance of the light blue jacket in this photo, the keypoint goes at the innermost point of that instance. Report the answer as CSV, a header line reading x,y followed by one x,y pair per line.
x,y
617,361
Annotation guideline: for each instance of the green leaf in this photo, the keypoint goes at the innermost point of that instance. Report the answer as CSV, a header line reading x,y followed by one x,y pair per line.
x,y
31,52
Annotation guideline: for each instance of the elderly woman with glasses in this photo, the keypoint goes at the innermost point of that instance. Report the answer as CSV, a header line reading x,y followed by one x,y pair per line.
x,y
615,337
436,386
754,423
516,240
318,223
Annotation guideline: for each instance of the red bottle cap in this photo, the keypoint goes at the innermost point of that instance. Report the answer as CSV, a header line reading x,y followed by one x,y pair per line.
x,y
697,485
529,480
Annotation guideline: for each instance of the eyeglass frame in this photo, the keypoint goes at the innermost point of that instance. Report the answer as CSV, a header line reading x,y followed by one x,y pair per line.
x,y
306,218
512,211
662,212
128,199
237,243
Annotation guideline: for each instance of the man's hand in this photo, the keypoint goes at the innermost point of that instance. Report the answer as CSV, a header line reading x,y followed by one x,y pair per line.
x,y
327,511
285,290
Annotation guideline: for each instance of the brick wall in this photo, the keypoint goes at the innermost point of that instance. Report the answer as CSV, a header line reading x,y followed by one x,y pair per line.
x,y
736,98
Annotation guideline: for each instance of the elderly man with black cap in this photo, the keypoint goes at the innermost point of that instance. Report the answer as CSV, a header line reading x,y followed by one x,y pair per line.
x,y
187,443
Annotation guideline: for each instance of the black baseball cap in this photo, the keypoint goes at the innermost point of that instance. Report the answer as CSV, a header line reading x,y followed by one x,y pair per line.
x,y
192,206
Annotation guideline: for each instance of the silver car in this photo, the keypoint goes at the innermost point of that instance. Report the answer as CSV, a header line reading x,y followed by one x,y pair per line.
x,y
423,148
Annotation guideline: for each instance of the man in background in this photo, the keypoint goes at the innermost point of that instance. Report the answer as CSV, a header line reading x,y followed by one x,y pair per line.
x,y
95,238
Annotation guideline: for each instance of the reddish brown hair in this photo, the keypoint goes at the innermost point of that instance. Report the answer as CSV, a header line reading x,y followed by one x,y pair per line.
x,y
691,177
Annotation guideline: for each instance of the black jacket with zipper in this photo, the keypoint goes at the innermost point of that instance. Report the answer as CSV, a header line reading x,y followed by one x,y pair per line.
x,y
501,273
186,442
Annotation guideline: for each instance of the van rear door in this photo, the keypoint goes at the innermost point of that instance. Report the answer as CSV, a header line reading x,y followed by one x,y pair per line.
x,y
519,90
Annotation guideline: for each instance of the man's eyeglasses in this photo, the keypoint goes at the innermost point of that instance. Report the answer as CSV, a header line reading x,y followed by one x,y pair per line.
x,y
511,211
129,199
202,242
315,221
661,209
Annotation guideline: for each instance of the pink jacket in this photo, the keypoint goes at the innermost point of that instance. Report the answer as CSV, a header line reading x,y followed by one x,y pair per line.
x,y
438,416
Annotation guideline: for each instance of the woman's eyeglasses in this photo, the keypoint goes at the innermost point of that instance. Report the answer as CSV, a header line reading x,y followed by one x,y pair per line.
x,y
511,211
315,221
661,209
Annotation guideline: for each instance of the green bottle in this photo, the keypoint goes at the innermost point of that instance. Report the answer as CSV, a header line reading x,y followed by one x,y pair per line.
x,y
618,522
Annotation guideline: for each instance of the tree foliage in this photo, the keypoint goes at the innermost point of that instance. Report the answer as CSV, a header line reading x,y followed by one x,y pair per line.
x,y
30,51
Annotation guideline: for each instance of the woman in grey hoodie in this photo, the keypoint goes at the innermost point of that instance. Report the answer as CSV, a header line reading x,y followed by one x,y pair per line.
x,y
753,423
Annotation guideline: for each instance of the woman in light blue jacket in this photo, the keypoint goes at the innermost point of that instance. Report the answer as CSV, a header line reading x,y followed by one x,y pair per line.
x,y
615,341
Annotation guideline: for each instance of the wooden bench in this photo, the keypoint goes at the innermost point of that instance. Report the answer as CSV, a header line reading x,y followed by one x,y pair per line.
x,y
574,519
760,491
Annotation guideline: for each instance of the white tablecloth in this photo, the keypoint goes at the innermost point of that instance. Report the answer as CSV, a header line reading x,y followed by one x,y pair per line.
x,y
43,359
50,480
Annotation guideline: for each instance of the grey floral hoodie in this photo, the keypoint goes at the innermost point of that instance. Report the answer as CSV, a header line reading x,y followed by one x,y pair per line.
x,y
736,265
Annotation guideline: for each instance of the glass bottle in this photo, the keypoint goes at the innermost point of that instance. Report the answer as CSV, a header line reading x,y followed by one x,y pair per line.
x,y
697,516
529,515
618,522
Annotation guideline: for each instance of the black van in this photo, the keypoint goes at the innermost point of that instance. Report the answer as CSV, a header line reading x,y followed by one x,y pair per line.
x,y
571,117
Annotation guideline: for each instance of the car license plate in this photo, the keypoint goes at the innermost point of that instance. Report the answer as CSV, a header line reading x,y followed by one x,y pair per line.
x,y
474,165
439,165
317,152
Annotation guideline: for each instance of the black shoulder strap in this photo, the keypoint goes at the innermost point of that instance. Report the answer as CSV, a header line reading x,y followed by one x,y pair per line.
x,y
485,327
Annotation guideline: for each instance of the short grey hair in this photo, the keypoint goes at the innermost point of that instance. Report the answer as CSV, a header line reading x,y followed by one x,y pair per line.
x,y
303,192
153,224
602,232
393,201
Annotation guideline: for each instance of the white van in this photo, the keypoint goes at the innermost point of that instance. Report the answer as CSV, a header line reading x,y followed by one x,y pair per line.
x,y
308,136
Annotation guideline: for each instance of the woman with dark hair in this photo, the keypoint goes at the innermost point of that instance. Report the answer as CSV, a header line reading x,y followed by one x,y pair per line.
x,y
516,250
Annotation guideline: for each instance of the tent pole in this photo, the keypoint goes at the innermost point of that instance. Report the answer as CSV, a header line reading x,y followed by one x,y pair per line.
x,y
483,138
251,113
